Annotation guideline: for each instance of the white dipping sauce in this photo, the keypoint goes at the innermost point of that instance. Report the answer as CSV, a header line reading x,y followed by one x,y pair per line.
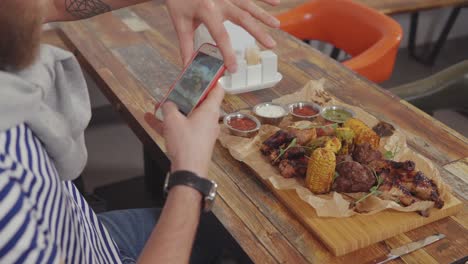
x,y
271,111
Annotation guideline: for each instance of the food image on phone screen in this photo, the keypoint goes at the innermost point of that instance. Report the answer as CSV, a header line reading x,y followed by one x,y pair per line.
x,y
195,80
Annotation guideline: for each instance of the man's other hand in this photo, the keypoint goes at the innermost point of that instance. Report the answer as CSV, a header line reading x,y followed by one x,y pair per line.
x,y
190,141
188,15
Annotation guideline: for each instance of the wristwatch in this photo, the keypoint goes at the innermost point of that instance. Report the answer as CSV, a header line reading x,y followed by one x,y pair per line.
x,y
206,187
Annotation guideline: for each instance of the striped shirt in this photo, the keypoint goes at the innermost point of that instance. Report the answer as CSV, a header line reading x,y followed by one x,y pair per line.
x,y
44,219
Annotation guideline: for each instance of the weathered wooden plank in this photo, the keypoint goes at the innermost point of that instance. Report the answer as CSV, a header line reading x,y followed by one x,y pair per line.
x,y
419,256
455,180
237,228
459,182
156,15
163,46
132,20
148,66
459,168
112,32
453,247
266,233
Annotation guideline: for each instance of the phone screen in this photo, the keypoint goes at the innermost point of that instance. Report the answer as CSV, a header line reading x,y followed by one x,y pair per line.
x,y
190,87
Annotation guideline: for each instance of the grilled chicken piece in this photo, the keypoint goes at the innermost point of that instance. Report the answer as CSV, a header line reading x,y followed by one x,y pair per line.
x,y
391,190
416,182
303,136
422,187
364,153
274,142
293,168
402,167
380,166
326,130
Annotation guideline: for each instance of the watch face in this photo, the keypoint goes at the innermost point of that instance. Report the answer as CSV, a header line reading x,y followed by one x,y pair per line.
x,y
210,198
166,183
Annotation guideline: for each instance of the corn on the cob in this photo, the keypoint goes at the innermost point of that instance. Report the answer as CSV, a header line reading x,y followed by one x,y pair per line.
x,y
333,144
356,125
368,136
315,144
320,171
363,133
346,135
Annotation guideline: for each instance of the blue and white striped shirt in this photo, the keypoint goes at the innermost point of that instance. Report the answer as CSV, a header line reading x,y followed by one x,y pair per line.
x,y
43,219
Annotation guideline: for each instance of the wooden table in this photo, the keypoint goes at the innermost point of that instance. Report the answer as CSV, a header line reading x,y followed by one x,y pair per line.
x,y
388,7
134,56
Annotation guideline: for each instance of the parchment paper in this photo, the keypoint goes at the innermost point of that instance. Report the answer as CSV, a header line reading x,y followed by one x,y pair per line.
x,y
333,204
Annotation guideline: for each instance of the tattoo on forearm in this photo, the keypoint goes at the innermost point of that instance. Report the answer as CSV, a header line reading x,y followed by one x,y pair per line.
x,y
86,8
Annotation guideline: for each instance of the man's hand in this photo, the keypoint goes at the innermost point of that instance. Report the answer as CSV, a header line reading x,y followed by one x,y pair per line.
x,y
188,15
190,141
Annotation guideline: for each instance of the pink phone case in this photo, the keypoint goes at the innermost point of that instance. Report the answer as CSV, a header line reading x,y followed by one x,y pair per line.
x,y
208,89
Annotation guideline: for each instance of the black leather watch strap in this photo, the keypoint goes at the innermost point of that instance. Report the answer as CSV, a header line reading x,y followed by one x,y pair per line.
x,y
206,187
190,179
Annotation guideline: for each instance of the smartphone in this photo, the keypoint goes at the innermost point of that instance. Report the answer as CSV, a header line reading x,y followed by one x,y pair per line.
x,y
196,80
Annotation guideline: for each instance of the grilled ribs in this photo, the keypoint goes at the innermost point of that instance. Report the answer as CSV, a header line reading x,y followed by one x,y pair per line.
x,y
293,162
293,167
274,142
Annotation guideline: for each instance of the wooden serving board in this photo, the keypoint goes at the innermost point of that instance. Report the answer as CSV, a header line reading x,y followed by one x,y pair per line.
x,y
344,235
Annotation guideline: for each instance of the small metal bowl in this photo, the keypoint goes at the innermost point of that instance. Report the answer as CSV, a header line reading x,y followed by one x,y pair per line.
x,y
238,132
267,119
336,107
296,117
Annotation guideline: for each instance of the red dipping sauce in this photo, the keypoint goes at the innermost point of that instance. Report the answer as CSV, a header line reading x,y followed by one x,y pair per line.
x,y
244,123
305,110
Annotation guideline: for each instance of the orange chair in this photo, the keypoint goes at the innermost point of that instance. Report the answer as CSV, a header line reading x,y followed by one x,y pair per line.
x,y
371,38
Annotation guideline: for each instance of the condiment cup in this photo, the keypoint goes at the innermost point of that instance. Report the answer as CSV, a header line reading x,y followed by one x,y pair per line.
x,y
238,132
266,119
296,105
336,107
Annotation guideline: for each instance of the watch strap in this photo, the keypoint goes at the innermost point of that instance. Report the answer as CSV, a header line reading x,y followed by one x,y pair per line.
x,y
190,179
206,187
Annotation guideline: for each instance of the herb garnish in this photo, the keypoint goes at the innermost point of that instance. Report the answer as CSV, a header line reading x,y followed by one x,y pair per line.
x,y
282,151
391,154
336,175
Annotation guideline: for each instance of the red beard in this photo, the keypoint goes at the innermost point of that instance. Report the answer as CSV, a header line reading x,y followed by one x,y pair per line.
x,y
20,33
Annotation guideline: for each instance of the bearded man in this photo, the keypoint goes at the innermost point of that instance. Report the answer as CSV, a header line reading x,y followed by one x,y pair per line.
x,y
45,109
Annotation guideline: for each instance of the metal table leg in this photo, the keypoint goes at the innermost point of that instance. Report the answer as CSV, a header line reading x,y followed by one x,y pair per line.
x,y
433,51
335,53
